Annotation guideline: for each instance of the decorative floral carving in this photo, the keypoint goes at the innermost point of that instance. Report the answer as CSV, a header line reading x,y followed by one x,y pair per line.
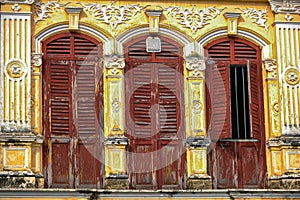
x,y
285,6
114,63
44,9
198,106
193,18
16,7
292,76
195,64
36,59
257,16
115,104
17,1
112,14
288,17
270,66
15,69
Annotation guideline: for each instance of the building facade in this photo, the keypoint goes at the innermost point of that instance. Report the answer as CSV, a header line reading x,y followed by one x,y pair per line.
x,y
144,95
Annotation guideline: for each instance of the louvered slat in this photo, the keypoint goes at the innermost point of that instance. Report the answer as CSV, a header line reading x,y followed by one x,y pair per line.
x,y
60,122
254,102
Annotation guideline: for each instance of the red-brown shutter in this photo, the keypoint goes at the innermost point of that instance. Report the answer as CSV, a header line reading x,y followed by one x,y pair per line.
x,y
254,100
59,97
73,104
154,97
168,99
218,91
141,100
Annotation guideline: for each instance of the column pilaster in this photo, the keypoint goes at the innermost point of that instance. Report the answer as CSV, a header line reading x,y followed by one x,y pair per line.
x,y
115,143
197,141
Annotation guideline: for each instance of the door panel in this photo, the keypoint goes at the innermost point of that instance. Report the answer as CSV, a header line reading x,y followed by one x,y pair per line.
x,y
143,168
224,169
72,106
235,162
61,167
155,124
251,164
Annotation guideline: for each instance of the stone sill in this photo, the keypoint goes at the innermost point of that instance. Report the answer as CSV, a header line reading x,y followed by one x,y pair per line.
x,y
159,194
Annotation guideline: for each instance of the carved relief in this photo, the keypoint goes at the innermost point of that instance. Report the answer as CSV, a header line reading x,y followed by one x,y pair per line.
x,y
195,64
292,76
271,68
115,63
17,1
16,7
112,14
15,69
36,59
258,17
193,18
44,9
285,6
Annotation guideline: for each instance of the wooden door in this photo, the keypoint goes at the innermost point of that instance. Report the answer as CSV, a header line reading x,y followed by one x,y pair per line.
x,y
72,106
154,115
235,114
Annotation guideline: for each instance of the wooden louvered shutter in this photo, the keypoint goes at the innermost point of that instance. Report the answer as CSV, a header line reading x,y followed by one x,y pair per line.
x,y
168,98
60,97
72,111
254,100
218,88
60,120
141,100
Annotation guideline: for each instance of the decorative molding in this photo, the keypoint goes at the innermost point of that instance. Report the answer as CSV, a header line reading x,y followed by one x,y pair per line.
x,y
291,76
196,64
111,14
16,7
115,63
193,18
15,69
15,157
285,6
36,59
270,65
258,17
115,104
288,17
17,1
9,127
44,9
275,108
74,15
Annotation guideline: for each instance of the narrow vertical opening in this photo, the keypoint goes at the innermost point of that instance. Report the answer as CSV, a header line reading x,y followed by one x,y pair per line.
x,y
239,96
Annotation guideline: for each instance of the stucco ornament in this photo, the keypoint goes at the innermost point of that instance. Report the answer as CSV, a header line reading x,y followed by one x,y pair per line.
x,y
195,64
44,9
36,59
258,17
17,1
292,76
16,7
193,18
112,14
270,65
285,6
115,63
15,69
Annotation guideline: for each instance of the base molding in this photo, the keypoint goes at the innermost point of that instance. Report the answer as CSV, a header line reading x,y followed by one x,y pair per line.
x,y
19,179
199,183
284,183
116,183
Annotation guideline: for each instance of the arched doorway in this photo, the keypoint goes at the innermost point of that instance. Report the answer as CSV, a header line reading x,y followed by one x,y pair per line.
x,y
235,119
155,114
72,107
